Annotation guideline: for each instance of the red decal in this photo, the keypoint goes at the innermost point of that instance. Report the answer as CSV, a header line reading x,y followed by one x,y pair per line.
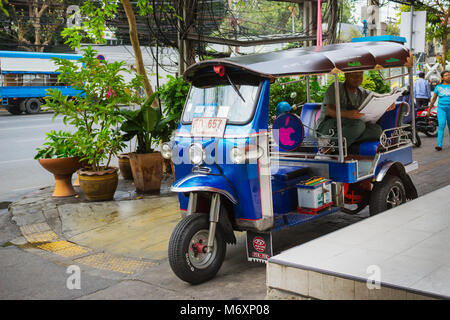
x,y
259,244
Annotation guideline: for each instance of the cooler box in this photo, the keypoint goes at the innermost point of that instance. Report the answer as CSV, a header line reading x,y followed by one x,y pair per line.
x,y
314,195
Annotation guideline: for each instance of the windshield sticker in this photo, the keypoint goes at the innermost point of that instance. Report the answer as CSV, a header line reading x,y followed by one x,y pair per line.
x,y
354,64
392,60
223,111
210,110
198,111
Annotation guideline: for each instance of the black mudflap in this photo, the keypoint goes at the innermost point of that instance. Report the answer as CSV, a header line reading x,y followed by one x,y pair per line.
x,y
259,246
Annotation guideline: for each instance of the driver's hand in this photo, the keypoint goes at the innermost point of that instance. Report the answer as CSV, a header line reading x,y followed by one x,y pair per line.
x,y
354,114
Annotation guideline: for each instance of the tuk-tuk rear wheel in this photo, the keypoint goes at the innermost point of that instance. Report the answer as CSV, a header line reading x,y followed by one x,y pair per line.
x,y
387,194
188,256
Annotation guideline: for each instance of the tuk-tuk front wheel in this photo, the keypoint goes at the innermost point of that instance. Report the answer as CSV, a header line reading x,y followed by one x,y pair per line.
x,y
188,254
387,194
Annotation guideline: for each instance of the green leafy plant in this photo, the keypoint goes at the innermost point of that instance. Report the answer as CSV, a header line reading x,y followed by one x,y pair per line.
x,y
173,94
59,144
377,84
147,125
280,92
95,111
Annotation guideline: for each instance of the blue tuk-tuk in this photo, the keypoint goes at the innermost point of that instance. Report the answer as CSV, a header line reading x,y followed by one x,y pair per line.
x,y
236,172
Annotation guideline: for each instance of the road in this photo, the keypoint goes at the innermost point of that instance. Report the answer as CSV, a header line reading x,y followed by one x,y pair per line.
x,y
20,135
35,274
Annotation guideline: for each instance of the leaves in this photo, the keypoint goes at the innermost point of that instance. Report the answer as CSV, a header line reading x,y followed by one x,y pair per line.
x,y
59,144
96,116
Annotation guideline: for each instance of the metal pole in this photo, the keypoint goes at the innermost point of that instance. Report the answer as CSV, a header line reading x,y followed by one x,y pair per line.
x,y
338,118
308,90
411,80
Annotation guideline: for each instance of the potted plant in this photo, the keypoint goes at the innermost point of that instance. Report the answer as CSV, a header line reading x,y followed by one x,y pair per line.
x,y
125,166
60,155
96,115
149,127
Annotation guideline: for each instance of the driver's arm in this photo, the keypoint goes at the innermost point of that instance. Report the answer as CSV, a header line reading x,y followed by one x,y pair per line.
x,y
348,114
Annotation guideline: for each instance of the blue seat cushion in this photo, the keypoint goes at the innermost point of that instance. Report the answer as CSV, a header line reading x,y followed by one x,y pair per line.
x,y
369,148
285,173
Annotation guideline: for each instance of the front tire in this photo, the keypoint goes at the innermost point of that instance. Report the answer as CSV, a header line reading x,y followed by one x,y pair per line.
x,y
187,250
386,195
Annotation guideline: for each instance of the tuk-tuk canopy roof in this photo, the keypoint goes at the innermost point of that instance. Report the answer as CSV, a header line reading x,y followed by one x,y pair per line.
x,y
335,58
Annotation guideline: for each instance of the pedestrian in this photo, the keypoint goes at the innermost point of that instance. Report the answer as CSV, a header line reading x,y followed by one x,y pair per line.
x,y
442,91
422,91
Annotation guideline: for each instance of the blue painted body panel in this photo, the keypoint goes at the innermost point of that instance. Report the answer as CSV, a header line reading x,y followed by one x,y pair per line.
x,y
381,38
242,180
9,92
35,91
402,155
39,55
199,181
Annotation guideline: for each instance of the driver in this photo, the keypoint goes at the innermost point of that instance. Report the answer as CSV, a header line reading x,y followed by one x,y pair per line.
x,y
351,96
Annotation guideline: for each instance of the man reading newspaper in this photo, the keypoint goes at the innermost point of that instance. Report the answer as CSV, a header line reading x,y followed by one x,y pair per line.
x,y
354,129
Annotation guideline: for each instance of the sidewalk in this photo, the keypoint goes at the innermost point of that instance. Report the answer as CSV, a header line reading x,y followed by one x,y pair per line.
x,y
120,247
117,235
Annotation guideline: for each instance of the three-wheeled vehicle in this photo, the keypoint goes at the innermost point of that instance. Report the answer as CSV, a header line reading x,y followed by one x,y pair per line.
x,y
235,172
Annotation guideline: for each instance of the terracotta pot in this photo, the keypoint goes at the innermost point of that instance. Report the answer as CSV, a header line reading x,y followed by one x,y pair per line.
x,y
83,164
62,169
99,185
124,166
147,171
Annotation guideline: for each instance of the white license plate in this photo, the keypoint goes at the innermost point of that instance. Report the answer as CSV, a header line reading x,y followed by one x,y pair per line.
x,y
208,127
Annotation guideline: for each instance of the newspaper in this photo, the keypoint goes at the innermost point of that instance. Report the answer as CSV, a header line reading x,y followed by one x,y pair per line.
x,y
375,105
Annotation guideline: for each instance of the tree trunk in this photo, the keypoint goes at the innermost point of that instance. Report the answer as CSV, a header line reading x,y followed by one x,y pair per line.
x,y
445,39
137,49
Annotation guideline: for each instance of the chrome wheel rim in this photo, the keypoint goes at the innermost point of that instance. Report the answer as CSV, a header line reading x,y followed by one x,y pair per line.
x,y
198,256
394,197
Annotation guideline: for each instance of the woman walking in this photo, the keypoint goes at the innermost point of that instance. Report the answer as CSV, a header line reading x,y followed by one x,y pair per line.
x,y
442,91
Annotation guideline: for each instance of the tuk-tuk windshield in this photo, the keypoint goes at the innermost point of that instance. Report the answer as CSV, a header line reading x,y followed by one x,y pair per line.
x,y
221,101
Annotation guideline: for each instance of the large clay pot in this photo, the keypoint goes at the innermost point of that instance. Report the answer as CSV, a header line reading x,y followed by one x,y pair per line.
x,y
84,164
99,185
62,169
147,171
124,166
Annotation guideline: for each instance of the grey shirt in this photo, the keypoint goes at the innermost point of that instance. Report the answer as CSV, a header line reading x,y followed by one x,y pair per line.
x,y
347,100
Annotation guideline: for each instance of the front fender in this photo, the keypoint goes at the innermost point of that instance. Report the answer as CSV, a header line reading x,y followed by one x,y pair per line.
x,y
206,183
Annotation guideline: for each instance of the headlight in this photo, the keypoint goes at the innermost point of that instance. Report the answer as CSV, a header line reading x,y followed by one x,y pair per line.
x,y
166,150
237,155
196,154
245,154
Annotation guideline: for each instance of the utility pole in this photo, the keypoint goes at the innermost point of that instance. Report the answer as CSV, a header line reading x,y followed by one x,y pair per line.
x,y
411,71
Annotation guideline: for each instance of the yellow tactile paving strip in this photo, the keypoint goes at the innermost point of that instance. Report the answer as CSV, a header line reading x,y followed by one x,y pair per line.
x,y
42,237
111,262
64,248
37,233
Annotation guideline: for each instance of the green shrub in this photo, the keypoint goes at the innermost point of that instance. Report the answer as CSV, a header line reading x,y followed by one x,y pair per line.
x,y
280,93
173,95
